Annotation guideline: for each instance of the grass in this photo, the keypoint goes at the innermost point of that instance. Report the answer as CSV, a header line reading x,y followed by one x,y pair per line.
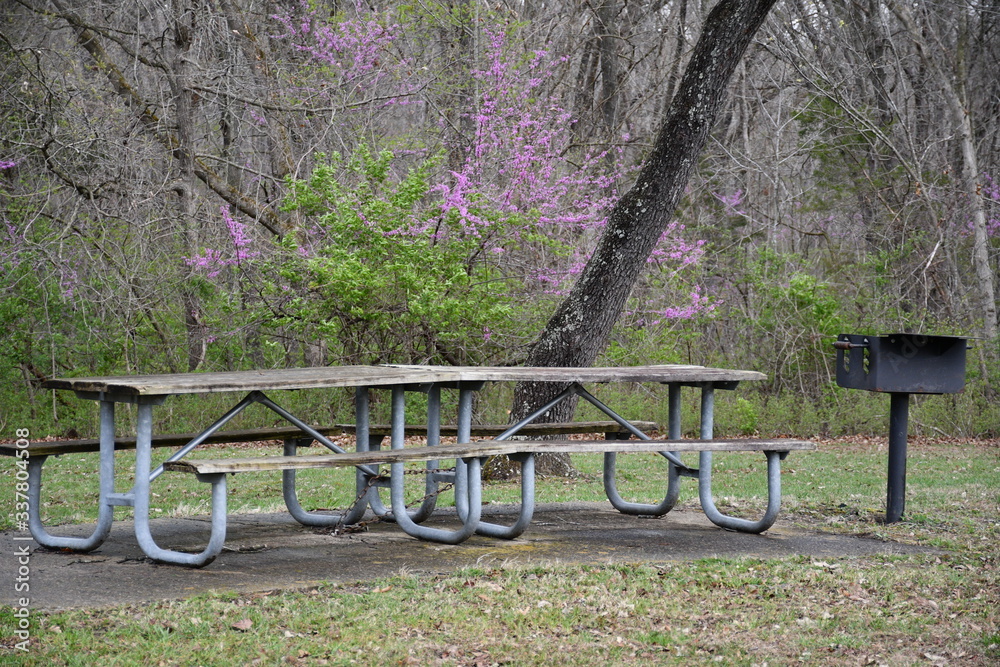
x,y
933,609
723,611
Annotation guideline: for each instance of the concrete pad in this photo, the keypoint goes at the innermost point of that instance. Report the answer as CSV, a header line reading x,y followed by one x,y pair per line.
x,y
272,551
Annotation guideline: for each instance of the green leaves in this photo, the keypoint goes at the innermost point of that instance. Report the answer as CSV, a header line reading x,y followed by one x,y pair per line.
x,y
378,268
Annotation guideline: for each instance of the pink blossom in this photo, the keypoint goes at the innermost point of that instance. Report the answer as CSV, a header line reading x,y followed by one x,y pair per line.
x,y
732,202
213,261
697,305
355,47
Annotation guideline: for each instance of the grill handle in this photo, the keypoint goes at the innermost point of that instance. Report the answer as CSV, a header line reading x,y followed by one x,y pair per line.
x,y
848,345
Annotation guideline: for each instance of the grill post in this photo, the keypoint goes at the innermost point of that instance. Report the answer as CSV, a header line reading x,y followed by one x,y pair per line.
x,y
899,408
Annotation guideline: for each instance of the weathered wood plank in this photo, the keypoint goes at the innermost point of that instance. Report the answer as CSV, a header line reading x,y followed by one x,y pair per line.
x,y
481,448
374,376
57,447
485,430
585,446
201,383
650,373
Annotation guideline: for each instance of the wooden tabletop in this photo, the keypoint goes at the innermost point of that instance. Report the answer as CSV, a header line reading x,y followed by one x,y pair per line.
x,y
657,373
374,376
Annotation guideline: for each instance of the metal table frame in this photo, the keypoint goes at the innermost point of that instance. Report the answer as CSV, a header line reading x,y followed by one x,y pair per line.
x,y
146,392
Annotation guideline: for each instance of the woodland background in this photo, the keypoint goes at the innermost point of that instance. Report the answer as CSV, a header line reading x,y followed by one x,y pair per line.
x,y
232,184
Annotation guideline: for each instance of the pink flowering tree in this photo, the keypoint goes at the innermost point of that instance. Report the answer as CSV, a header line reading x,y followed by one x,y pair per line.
x,y
349,66
521,164
236,252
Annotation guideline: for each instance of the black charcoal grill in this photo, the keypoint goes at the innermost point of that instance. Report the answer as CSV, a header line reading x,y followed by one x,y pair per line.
x,y
900,364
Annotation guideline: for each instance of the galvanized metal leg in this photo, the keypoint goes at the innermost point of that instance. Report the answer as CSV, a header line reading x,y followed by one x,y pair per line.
x,y
429,501
374,497
674,411
398,441
527,509
143,455
705,477
433,439
899,406
734,523
673,473
465,505
105,511
306,518
472,490
364,442
464,436
707,411
639,509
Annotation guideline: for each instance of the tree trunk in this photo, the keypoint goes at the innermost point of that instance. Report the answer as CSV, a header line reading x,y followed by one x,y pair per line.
x,y
607,44
183,18
581,325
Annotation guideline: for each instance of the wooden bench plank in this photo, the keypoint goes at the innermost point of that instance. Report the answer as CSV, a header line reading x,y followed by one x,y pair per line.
x,y
663,373
57,447
488,430
481,448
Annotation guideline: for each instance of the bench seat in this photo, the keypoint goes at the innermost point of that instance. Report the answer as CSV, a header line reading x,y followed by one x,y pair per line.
x,y
469,459
480,449
82,446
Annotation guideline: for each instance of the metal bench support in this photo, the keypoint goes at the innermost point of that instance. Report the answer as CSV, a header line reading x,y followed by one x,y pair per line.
x,y
735,523
105,511
144,427
467,486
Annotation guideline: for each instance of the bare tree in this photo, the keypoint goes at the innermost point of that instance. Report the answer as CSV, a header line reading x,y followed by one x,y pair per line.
x,y
954,84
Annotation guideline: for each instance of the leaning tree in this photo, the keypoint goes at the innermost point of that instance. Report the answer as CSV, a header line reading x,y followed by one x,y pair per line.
x,y
581,325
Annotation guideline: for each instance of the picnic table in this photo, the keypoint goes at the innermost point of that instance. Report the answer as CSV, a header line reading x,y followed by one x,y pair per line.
x,y
149,391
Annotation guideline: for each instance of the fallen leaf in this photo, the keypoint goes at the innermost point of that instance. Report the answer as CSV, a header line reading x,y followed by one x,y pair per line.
x,y
243,625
